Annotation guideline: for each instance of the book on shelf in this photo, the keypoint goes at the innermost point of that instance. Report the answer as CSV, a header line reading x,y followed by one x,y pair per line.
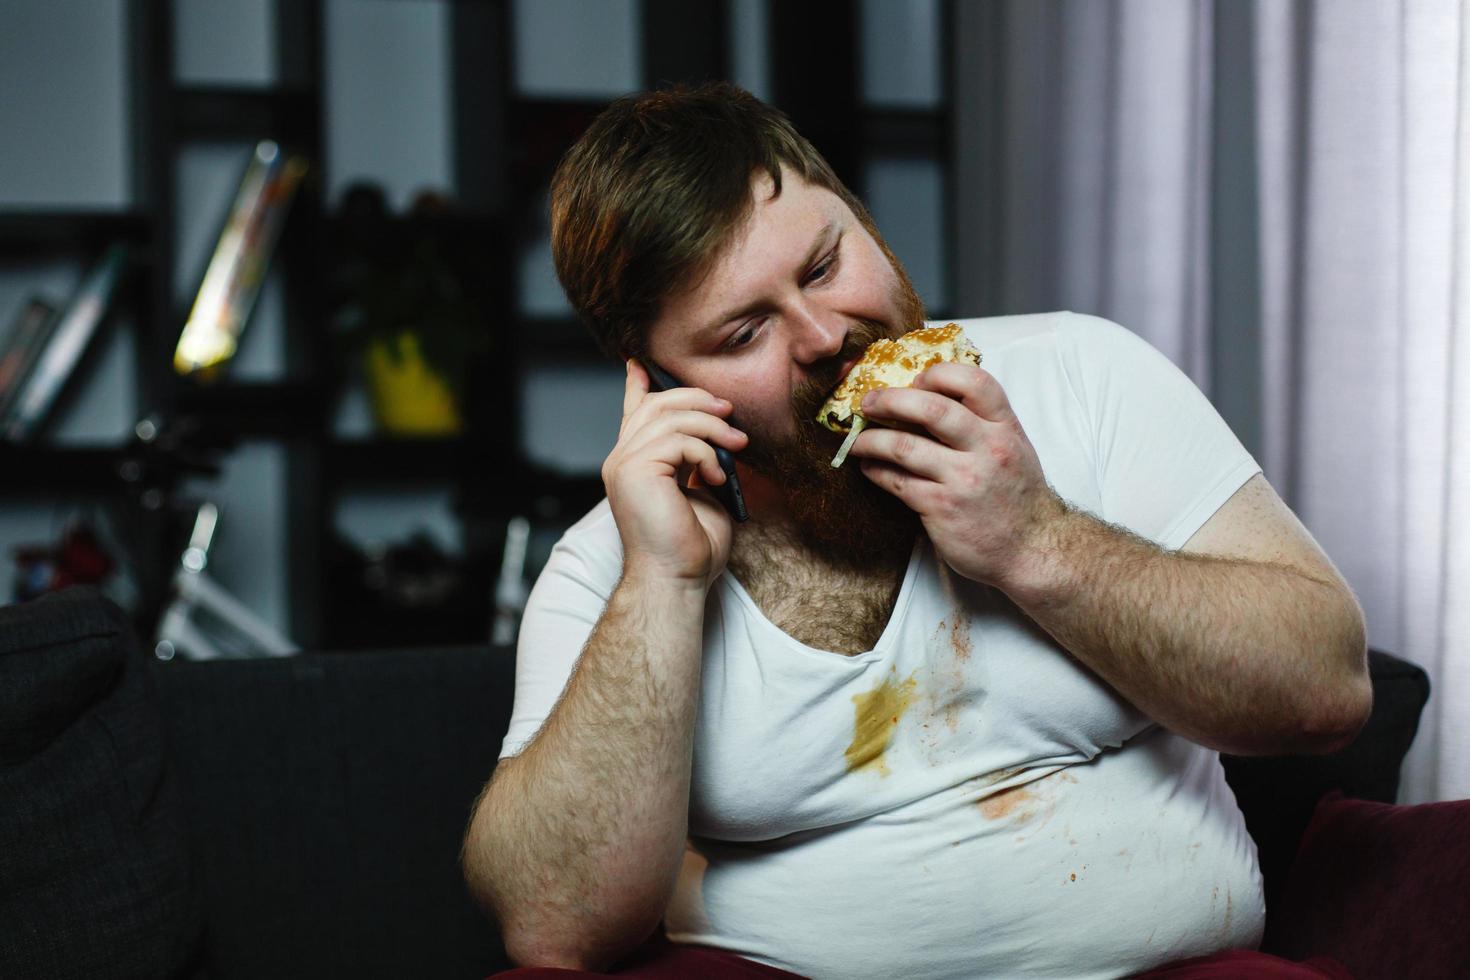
x,y
21,345
67,339
236,270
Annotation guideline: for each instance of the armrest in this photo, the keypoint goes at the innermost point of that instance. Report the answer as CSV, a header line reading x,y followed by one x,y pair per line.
x,y
96,869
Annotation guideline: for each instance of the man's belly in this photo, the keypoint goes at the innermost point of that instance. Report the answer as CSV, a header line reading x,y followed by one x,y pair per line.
x,y
1098,870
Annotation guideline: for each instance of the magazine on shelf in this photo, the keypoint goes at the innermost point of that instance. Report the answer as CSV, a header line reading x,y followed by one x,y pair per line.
x,y
67,340
237,269
21,345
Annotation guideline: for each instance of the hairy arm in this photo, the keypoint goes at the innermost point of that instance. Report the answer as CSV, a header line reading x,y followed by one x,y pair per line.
x,y
576,843
1246,641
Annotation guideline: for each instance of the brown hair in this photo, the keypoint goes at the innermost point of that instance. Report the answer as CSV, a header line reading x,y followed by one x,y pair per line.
x,y
655,188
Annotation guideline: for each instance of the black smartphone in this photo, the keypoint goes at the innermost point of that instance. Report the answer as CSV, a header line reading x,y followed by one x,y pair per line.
x,y
727,493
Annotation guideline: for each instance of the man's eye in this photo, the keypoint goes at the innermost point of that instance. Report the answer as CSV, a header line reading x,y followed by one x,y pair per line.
x,y
743,336
820,272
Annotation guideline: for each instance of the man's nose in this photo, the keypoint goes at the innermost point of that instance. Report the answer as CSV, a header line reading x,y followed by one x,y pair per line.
x,y
819,333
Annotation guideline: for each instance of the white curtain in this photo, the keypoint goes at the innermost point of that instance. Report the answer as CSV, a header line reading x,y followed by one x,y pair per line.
x,y
1277,195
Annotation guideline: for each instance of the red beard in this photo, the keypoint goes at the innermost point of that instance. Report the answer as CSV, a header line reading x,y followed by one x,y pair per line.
x,y
839,514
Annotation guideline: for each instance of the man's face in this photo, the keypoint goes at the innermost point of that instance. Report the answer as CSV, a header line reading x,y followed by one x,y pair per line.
x,y
795,297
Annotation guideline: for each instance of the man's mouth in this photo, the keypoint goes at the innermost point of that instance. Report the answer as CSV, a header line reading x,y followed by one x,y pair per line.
x,y
816,394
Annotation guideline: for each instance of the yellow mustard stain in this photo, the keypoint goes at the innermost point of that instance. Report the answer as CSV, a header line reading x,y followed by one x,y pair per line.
x,y
875,716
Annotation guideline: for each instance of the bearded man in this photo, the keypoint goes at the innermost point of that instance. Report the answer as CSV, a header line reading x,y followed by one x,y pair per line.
x,y
953,711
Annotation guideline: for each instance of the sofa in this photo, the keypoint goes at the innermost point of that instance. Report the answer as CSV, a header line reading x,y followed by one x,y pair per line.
x,y
302,817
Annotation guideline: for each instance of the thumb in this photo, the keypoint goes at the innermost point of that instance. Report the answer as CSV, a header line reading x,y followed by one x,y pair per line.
x,y
635,389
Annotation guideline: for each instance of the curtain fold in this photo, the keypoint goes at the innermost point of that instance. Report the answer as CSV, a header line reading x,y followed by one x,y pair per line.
x,y
1106,163
1277,196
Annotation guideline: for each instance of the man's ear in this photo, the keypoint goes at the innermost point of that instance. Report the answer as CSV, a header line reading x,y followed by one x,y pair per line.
x,y
638,351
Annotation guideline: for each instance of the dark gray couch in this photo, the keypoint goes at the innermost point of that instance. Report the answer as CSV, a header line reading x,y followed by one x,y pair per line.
x,y
302,817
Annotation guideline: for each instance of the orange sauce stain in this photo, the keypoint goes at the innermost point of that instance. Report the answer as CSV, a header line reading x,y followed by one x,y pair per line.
x,y
952,698
875,717
959,638
1008,802
1026,801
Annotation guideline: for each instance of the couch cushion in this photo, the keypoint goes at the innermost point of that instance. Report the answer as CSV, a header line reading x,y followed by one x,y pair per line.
x,y
330,793
95,874
1380,888
1278,793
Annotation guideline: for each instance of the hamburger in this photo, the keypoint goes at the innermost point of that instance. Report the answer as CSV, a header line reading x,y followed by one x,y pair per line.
x,y
891,364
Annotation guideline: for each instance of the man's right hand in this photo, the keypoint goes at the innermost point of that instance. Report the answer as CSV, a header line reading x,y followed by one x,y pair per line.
x,y
669,532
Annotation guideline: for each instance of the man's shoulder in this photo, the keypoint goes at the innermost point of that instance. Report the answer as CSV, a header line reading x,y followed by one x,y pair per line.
x,y
994,333
595,530
591,547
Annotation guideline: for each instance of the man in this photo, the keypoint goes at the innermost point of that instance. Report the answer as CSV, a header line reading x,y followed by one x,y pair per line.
x,y
952,711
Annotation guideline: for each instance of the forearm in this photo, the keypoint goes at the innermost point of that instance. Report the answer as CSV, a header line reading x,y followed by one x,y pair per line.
x,y
1245,657
576,844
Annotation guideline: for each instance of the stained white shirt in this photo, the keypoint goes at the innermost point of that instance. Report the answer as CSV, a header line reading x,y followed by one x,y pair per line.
x,y
966,799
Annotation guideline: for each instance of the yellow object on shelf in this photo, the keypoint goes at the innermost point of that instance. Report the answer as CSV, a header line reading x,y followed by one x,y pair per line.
x,y
409,397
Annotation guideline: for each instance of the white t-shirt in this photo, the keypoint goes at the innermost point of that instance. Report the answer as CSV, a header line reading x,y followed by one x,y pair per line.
x,y
966,799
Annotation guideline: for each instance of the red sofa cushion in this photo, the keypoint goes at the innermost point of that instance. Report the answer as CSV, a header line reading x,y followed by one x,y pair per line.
x,y
1381,888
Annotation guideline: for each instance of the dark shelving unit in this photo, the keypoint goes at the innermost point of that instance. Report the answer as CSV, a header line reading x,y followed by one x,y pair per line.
x,y
286,114
35,234
60,471
252,408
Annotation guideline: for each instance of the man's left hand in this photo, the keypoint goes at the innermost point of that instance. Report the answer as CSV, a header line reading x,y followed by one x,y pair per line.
x,y
961,460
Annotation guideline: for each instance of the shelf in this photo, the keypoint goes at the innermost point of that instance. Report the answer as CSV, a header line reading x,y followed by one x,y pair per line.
x,y
495,479
559,338
404,460
55,470
278,408
520,488
26,234
363,610
481,231
218,112
557,105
